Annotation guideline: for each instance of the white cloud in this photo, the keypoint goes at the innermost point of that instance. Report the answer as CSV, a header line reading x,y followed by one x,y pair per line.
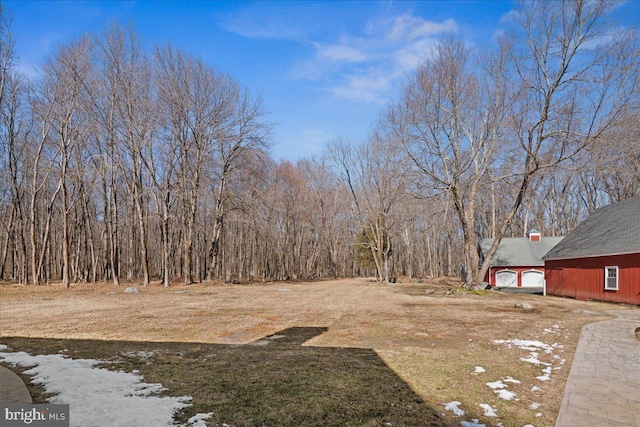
x,y
264,21
407,27
412,55
247,26
338,53
367,67
367,86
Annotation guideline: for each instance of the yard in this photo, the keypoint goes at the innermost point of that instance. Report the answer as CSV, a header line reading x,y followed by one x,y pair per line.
x,y
345,352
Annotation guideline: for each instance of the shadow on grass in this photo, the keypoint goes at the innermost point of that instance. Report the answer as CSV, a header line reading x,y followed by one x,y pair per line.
x,y
274,381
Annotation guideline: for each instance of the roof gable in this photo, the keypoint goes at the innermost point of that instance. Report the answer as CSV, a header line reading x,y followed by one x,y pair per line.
x,y
611,230
519,251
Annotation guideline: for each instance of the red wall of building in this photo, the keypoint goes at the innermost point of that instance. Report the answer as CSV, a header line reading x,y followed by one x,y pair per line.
x,y
583,278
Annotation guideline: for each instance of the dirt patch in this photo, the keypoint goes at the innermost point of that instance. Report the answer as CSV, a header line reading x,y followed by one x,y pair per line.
x,y
431,340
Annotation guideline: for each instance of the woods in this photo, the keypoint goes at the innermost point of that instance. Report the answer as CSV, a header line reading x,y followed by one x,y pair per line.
x,y
125,165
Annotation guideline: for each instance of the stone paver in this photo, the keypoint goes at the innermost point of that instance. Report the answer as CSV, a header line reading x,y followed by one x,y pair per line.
x,y
12,388
603,388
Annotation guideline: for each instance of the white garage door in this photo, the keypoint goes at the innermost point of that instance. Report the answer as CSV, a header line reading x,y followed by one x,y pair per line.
x,y
533,278
506,279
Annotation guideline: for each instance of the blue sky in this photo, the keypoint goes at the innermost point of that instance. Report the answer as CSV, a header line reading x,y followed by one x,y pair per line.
x,y
324,69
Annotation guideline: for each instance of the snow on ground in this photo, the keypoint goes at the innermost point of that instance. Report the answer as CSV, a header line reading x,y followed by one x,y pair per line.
x,y
496,384
505,394
142,354
99,397
533,358
454,407
499,388
472,423
511,380
535,388
479,370
198,420
534,347
488,410
534,405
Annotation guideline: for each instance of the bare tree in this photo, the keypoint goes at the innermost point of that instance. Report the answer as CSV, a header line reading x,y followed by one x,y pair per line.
x,y
64,78
195,102
130,77
243,134
558,81
372,177
449,123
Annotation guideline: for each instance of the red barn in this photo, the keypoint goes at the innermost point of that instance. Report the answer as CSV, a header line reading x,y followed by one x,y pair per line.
x,y
518,261
600,259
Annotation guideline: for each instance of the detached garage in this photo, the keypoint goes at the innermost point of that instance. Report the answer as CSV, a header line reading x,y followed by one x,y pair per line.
x,y
518,261
600,259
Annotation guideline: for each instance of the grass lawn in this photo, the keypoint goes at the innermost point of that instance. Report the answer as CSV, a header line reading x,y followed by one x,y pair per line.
x,y
346,352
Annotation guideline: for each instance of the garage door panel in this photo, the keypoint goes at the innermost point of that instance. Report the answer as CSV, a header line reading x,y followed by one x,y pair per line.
x,y
533,279
507,279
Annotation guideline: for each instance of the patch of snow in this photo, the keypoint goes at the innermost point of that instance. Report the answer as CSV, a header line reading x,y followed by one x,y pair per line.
x,y
530,345
528,425
479,370
544,377
198,420
535,388
496,384
534,405
505,394
141,354
511,380
472,423
534,359
94,393
488,410
538,414
453,407
3,347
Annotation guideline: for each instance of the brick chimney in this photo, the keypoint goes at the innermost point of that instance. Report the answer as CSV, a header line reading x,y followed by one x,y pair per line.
x,y
534,235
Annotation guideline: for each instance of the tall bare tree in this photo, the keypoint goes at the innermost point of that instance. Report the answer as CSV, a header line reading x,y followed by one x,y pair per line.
x,y
243,135
372,177
65,76
130,76
449,123
562,75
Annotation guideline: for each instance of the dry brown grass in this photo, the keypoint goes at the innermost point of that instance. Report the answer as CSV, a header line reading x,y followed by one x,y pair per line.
x,y
432,341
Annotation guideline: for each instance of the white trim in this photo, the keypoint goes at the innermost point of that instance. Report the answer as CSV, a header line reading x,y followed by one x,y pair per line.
x,y
606,277
530,271
506,270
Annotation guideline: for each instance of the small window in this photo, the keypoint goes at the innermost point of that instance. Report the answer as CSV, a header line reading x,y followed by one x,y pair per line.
x,y
611,278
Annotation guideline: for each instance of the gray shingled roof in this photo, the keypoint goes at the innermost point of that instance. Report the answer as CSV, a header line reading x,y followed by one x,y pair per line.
x,y
519,251
612,230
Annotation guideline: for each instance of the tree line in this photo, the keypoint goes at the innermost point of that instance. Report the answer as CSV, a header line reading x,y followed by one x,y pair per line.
x,y
126,165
